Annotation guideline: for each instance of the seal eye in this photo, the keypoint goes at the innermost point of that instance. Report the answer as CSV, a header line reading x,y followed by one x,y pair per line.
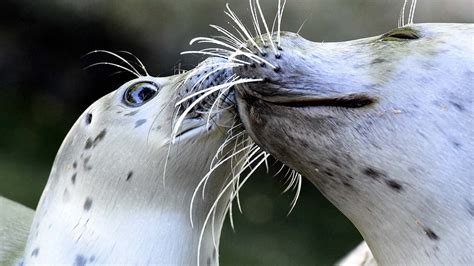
x,y
139,93
401,34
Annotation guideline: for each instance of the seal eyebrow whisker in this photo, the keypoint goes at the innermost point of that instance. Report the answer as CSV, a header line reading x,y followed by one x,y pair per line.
x,y
140,63
133,69
112,64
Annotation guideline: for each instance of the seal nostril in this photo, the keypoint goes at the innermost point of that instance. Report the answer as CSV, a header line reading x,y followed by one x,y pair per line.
x,y
278,56
88,118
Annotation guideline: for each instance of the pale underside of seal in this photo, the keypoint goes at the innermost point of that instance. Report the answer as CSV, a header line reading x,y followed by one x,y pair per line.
x,y
121,185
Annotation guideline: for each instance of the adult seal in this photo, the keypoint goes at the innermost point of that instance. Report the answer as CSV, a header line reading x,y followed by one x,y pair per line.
x,y
121,185
382,126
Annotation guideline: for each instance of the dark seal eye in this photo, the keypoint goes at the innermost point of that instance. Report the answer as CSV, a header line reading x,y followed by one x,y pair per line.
x,y
139,93
400,34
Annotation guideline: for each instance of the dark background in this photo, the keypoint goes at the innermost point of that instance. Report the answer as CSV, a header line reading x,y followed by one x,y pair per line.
x,y
43,89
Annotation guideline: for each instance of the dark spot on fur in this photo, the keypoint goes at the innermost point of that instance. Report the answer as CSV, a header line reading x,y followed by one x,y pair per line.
x,y
456,144
88,204
140,122
129,176
209,261
89,144
100,136
35,252
372,173
80,261
378,61
92,143
86,162
214,254
431,235
458,106
131,113
470,208
328,173
88,118
74,165
92,259
73,178
346,184
335,162
394,185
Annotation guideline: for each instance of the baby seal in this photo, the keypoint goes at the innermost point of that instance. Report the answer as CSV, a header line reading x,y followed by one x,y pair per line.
x,y
118,193
382,126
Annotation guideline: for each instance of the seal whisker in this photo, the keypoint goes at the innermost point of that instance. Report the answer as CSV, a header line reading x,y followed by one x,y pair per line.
x,y
255,20
239,24
133,69
270,39
140,63
411,16
113,64
214,205
281,9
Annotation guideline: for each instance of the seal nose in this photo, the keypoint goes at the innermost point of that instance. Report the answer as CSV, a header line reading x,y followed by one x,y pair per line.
x,y
297,77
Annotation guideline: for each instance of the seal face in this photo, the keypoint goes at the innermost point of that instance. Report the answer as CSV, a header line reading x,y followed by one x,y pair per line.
x,y
119,193
382,126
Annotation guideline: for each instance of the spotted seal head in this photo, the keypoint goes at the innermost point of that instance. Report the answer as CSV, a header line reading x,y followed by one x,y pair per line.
x,y
382,126
119,193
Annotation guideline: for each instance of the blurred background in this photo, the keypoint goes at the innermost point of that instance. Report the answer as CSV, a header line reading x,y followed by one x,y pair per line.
x,y
44,88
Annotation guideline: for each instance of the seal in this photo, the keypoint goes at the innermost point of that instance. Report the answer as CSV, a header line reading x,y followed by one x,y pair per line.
x,y
381,126
122,182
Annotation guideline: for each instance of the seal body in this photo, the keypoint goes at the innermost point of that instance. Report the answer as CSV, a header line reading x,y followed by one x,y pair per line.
x,y
383,127
118,193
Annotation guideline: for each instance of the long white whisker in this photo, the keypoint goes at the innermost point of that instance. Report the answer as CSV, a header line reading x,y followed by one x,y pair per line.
x,y
401,20
411,17
270,38
142,66
232,15
280,16
117,56
233,82
115,65
214,205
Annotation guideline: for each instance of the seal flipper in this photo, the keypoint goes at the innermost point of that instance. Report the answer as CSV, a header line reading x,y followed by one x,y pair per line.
x,y
15,222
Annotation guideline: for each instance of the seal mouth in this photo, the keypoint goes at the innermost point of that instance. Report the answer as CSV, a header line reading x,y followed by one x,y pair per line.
x,y
300,100
192,127
347,101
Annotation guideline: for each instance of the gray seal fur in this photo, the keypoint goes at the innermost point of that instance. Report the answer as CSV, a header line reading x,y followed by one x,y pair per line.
x,y
383,128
